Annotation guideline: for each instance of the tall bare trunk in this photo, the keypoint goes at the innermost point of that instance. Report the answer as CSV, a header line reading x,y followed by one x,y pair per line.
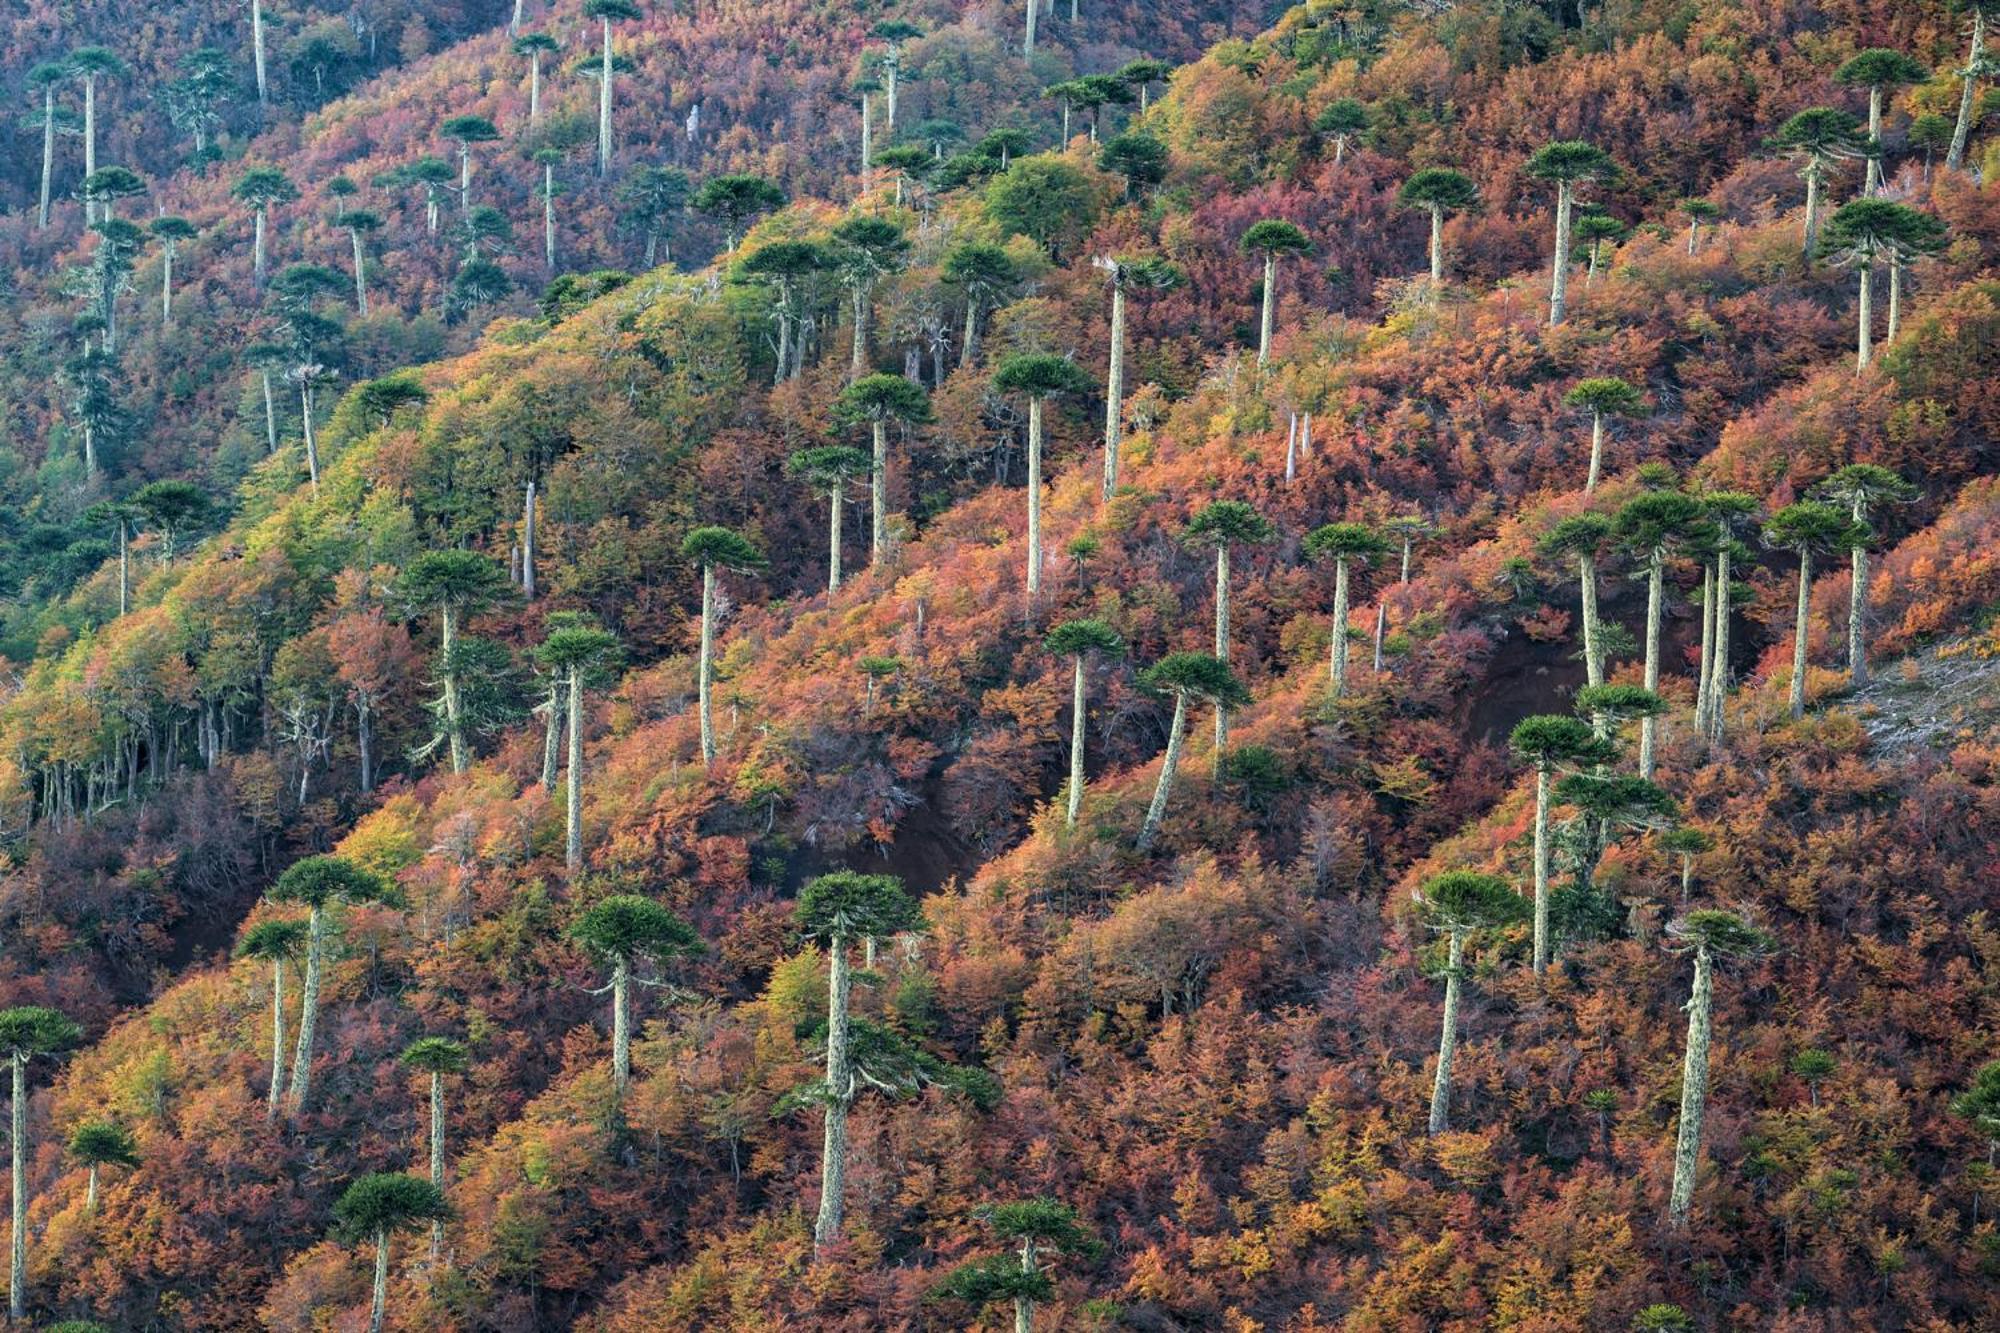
x,y
604,107
277,1038
308,1008
1596,453
1114,389
1559,270
1956,156
1076,712
1221,645
1655,594
1437,249
1034,500
621,1025
1800,622
379,1307
1863,351
1541,869
1447,1039
257,51
1270,314
573,805
1028,37
1873,181
1694,1090
453,715
1337,653
48,152
1593,650
17,1284
1718,686
839,1096
706,668
833,541
878,492
1176,736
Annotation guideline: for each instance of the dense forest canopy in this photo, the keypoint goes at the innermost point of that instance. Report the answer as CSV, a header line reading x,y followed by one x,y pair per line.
x,y
1041,664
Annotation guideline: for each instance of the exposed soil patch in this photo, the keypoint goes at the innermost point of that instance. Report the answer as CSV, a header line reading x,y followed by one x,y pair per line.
x,y
1931,701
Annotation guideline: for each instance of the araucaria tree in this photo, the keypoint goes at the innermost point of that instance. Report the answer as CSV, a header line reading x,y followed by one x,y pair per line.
x,y
1346,545
1271,240
1807,529
865,250
1603,396
1700,212
1223,524
456,584
1709,935
1818,137
1078,640
735,200
376,1208
1546,744
623,932
320,884
1652,527
607,12
1460,904
90,65
276,942
262,189
435,1057
830,468
984,275
26,1033
1039,377
1862,488
1127,275
713,550
579,655
789,270
1866,231
1569,165
836,910
1341,121
1037,1229
1584,539
878,400
172,233
465,131
1184,676
1879,70
535,46
97,1144
1983,13
47,77
1438,190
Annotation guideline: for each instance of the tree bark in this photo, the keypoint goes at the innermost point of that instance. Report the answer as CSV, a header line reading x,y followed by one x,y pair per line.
x,y
308,1009
549,218
1655,594
878,484
604,107
1541,869
1812,174
380,1306
17,1284
534,87
1447,1039
1873,180
1075,745
839,1096
312,444
573,847
1863,353
528,514
1718,686
1596,453
1437,249
1895,296
867,138
1270,309
124,567
1799,624
270,416
1034,499
1028,38
552,736
833,539
90,143
1694,1090
1221,644
1559,279
48,153
1706,656
437,1153
1337,653
971,347
277,1038
705,670
1956,156
1114,389
1176,735
1593,650
257,50
453,719
257,244
621,1024
1857,613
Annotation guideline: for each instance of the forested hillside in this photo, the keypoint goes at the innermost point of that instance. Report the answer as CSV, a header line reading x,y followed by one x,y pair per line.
x,y
1270,670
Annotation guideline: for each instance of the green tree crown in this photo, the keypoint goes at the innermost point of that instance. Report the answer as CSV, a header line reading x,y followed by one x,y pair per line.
x,y
103,1143
846,904
1355,542
1076,638
1196,674
875,398
1274,236
318,881
386,1202
1041,375
722,548
625,928
1441,188
29,1030
1228,523
435,1055
1461,901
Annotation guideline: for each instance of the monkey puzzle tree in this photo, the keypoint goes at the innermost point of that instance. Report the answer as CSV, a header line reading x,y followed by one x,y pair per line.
x,y
1807,529
262,189
984,275
435,1057
607,12
1818,137
835,910
623,932
1184,676
1137,159
376,1208
1140,76
651,198
715,549
276,942
1547,743
46,78
1686,842
26,1033
865,250
1653,526
1979,1106
1983,12
1594,229
1271,240
878,400
1223,524
320,884
788,269
1733,513
1699,213
457,584
1144,274
1583,538
463,132
1879,70
1405,530
171,233
1039,377
1438,190
579,655
98,1144
1037,1229
830,468
171,508
1862,488
1346,545
893,33
105,186
1077,640
1709,935
90,65
1569,165
1603,396
1341,121
734,200
535,46
1866,230
1460,904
